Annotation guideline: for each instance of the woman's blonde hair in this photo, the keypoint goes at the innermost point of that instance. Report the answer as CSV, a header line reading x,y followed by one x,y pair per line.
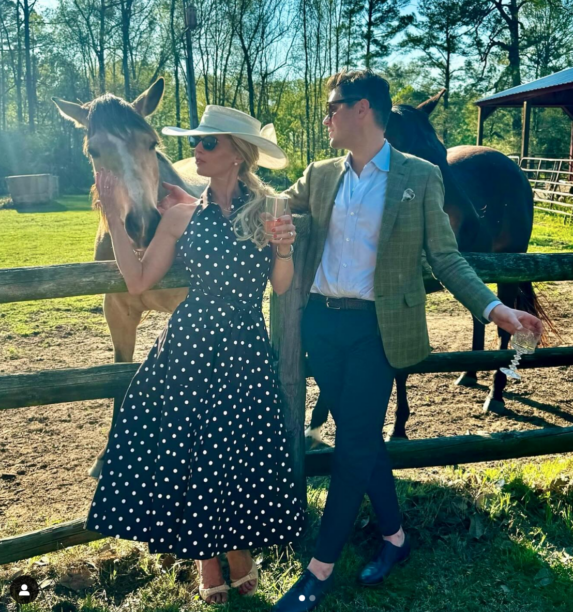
x,y
247,223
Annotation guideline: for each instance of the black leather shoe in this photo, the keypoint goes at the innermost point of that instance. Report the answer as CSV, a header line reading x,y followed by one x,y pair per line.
x,y
306,593
383,563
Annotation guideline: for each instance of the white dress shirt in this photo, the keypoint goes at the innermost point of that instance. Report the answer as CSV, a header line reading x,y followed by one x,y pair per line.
x,y
349,257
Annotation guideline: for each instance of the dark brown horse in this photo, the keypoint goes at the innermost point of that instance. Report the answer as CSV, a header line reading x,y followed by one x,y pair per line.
x,y
490,205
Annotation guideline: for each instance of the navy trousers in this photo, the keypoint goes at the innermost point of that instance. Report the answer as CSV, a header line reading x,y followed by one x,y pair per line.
x,y
350,367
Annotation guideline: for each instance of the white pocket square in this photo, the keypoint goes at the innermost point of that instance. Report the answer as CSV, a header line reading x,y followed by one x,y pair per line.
x,y
408,195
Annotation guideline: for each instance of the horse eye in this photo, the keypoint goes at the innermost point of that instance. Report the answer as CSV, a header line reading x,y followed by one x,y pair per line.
x,y
93,153
153,146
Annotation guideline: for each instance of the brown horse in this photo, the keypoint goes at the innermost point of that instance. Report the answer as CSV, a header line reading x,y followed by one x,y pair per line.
x,y
120,139
490,205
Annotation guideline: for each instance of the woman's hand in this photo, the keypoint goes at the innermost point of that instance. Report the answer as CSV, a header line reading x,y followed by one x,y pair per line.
x,y
107,187
175,195
284,234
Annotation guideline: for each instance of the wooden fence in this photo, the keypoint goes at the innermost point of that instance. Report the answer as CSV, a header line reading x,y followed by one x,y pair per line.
x,y
54,386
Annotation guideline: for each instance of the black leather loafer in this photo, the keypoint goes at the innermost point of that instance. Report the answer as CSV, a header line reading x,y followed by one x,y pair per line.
x,y
306,593
384,562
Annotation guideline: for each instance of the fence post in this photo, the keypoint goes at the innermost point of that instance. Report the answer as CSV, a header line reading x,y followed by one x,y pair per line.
x,y
285,317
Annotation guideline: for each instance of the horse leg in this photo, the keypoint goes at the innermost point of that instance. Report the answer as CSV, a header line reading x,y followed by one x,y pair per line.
x,y
123,314
494,402
398,432
318,419
469,379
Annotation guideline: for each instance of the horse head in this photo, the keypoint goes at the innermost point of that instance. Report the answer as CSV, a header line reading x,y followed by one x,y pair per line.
x,y
119,139
409,130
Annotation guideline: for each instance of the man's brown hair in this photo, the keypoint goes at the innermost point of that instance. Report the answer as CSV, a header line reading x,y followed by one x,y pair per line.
x,y
365,84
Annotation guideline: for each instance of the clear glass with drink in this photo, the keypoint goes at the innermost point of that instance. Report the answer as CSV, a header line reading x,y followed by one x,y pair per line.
x,y
275,207
523,342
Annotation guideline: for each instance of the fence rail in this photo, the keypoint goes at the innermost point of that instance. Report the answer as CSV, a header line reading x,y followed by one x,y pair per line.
x,y
45,387
47,282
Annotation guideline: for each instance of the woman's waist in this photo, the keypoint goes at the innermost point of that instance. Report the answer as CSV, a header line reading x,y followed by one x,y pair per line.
x,y
196,294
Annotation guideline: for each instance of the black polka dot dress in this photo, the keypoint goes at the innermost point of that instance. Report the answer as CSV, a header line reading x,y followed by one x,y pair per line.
x,y
197,462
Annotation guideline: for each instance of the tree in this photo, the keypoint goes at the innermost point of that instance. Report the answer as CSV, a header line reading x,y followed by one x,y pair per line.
x,y
440,35
384,21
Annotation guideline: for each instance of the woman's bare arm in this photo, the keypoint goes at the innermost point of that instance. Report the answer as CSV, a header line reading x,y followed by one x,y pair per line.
x,y
142,275
283,269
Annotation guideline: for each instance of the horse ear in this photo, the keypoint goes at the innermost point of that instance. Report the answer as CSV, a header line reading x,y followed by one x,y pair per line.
x,y
149,100
72,112
430,104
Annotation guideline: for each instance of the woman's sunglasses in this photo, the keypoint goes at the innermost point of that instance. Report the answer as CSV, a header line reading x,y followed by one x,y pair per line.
x,y
209,142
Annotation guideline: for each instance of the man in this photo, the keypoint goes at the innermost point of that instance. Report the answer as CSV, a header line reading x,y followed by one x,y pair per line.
x,y
373,213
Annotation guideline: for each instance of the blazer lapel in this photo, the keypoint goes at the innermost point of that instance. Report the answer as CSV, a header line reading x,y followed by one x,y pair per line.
x,y
327,190
394,192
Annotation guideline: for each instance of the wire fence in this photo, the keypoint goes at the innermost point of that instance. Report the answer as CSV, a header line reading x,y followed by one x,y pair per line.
x,y
552,182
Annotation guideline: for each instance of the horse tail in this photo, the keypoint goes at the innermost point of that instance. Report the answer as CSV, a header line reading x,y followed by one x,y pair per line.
x,y
528,300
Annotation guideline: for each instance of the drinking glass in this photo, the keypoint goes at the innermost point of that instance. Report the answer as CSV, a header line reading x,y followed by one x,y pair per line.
x,y
523,342
275,206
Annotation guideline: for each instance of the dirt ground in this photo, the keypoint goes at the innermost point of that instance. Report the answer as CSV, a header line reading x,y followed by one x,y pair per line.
x,y
46,450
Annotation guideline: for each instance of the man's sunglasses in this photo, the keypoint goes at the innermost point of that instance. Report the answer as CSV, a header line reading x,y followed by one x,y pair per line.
x,y
332,106
209,142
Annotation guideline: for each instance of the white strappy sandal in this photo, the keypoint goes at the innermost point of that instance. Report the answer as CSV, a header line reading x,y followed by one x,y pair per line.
x,y
253,576
208,593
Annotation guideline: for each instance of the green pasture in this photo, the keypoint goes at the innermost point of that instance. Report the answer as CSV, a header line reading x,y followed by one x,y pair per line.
x,y
496,539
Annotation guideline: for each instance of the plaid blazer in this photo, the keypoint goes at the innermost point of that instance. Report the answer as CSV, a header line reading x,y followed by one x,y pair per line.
x,y
413,221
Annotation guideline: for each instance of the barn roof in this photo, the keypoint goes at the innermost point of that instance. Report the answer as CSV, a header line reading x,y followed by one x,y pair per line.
x,y
553,90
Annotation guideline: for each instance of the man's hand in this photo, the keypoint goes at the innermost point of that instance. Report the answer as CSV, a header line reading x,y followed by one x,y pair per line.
x,y
175,195
512,320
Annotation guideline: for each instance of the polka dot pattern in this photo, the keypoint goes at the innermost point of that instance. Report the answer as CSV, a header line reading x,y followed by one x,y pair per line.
x,y
197,462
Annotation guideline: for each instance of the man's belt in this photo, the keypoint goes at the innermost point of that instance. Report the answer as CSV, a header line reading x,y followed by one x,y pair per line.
x,y
342,303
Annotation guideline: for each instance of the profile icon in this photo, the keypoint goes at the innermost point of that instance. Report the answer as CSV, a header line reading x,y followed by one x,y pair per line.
x,y
24,589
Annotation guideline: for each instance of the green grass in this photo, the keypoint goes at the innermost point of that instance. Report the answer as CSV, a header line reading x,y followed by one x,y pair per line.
x,y
550,234
497,539
59,233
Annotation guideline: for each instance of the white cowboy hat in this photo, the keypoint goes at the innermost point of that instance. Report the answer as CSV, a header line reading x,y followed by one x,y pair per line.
x,y
232,122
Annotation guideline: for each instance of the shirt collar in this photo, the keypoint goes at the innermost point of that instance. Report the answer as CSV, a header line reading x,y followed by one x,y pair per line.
x,y
381,160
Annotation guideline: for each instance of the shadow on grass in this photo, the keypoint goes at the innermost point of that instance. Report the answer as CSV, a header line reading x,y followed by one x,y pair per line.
x,y
482,540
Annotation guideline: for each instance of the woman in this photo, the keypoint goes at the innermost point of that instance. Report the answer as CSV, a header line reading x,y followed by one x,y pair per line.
x,y
197,462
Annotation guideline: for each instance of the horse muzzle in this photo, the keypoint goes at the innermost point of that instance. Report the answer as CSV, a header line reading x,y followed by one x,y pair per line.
x,y
142,227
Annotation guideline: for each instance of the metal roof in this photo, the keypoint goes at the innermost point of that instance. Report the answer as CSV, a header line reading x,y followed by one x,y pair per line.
x,y
545,85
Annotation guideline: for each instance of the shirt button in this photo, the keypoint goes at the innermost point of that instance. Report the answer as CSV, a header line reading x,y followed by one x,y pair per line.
x,y
352,214
344,265
347,240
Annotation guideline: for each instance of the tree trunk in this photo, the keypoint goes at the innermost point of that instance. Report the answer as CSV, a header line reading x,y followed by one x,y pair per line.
x,y
101,48
175,52
126,9
306,79
20,67
369,32
30,89
446,97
